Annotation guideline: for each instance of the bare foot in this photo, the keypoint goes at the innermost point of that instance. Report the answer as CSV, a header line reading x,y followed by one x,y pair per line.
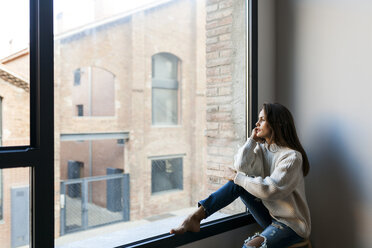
x,y
190,224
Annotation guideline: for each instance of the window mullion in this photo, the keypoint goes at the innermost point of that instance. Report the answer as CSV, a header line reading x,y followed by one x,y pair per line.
x,y
15,158
42,122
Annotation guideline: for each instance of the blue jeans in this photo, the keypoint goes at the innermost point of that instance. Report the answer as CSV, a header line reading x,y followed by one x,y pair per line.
x,y
276,234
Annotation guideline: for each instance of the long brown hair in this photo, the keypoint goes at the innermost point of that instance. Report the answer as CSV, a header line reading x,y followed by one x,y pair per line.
x,y
284,131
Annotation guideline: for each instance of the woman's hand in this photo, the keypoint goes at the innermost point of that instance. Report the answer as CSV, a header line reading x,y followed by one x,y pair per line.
x,y
229,174
254,135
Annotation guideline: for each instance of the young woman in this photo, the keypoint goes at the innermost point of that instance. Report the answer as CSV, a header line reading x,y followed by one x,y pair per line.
x,y
268,176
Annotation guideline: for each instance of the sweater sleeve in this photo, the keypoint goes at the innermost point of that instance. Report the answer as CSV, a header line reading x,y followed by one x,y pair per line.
x,y
248,159
279,184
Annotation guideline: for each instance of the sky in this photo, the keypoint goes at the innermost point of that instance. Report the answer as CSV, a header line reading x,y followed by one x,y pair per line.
x,y
14,18
14,25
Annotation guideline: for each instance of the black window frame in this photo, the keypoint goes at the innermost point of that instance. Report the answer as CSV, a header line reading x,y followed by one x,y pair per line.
x,y
39,155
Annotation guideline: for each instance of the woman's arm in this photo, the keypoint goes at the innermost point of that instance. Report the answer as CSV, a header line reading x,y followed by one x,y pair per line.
x,y
279,184
248,159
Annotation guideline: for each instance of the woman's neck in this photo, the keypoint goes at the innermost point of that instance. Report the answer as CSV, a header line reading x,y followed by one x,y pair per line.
x,y
269,141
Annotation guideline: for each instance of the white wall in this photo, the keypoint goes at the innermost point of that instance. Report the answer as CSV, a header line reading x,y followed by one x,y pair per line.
x,y
324,76
266,51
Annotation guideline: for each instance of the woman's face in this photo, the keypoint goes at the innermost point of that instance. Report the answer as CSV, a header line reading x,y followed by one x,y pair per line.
x,y
264,129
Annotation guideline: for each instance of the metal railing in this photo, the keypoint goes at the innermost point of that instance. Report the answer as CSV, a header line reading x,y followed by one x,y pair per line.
x,y
93,201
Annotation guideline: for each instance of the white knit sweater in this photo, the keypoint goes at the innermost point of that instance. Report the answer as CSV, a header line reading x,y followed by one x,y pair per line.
x,y
274,174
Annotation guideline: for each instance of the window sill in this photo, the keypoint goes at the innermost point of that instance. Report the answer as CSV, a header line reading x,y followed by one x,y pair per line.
x,y
113,117
206,230
165,192
166,126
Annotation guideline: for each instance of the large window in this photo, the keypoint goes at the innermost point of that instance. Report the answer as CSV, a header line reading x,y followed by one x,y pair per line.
x,y
165,89
165,63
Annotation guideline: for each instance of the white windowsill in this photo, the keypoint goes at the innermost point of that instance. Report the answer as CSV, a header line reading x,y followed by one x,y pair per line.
x,y
166,126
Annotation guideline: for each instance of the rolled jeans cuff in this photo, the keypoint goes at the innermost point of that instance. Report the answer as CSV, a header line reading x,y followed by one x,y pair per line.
x,y
200,203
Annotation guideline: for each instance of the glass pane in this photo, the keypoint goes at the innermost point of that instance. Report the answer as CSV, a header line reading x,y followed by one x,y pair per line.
x,y
150,108
15,207
14,73
164,107
165,66
166,174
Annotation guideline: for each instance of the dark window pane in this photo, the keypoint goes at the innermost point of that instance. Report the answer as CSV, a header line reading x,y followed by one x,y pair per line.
x,y
166,175
77,74
80,110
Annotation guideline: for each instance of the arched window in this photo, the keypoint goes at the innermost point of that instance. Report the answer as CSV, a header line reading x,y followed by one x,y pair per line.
x,y
93,92
165,93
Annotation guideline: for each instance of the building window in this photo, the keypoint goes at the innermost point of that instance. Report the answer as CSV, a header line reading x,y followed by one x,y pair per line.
x,y
166,174
80,110
165,93
96,91
77,75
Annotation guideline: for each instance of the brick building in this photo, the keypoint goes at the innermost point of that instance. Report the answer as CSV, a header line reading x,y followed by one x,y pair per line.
x,y
14,131
158,93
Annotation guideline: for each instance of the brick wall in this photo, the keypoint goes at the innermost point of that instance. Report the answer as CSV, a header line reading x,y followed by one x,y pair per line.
x,y
16,132
225,93
15,114
12,178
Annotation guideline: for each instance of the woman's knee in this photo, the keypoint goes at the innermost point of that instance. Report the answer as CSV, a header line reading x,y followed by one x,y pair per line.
x,y
256,241
236,189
